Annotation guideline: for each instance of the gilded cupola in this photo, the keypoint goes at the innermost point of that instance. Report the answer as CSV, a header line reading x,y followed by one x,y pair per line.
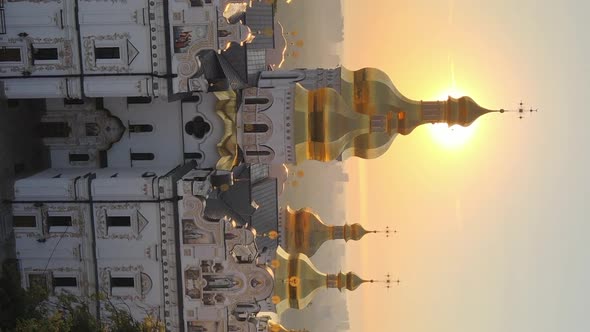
x,y
364,118
297,280
304,232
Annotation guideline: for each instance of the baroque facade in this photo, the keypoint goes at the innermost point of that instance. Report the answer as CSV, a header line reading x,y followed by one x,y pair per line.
x,y
169,123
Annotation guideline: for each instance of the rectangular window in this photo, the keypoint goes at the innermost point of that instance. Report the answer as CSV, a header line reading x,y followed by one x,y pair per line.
x,y
122,282
118,221
10,54
2,21
142,156
59,221
76,157
65,282
73,101
139,100
107,53
24,221
45,53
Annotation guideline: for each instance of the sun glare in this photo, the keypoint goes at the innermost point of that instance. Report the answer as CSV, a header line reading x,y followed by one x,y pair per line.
x,y
451,137
455,136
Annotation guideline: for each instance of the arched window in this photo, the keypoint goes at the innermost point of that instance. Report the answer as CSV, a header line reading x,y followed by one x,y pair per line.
x,y
256,101
258,153
255,128
192,155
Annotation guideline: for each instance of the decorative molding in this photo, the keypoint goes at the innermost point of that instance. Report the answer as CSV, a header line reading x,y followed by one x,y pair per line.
x,y
137,224
64,48
89,57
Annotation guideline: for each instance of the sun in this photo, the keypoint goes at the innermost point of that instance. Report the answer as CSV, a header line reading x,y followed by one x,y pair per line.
x,y
452,137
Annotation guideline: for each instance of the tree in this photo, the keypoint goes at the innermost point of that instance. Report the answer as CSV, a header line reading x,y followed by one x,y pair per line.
x,y
33,310
15,302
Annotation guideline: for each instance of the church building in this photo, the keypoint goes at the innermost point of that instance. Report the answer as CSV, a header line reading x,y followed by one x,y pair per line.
x,y
166,122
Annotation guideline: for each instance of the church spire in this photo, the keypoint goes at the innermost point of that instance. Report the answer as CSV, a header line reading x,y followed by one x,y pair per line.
x,y
297,280
350,281
305,232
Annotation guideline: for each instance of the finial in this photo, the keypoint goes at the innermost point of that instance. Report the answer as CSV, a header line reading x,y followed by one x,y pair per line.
x,y
387,231
520,110
389,282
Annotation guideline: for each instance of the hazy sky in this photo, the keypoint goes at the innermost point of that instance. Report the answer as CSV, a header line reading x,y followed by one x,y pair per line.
x,y
493,235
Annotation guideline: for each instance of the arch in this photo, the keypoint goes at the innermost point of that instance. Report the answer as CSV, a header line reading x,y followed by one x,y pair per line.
x,y
258,154
256,128
261,126
256,100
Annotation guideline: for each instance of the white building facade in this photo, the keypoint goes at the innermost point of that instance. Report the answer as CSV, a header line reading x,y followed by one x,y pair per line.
x,y
92,48
106,231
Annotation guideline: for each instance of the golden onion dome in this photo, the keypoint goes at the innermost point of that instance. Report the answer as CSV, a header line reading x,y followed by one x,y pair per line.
x,y
305,232
363,118
297,280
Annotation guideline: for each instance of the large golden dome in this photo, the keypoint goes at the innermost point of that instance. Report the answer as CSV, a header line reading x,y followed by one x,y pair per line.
x,y
364,118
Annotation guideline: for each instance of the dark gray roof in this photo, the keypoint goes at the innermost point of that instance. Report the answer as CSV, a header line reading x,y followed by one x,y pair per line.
x,y
265,219
236,203
235,67
259,172
260,17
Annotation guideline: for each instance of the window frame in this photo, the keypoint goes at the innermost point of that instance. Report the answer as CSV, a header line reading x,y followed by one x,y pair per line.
x,y
118,53
25,227
45,61
45,274
73,228
119,227
132,230
10,63
124,290
60,276
38,220
121,45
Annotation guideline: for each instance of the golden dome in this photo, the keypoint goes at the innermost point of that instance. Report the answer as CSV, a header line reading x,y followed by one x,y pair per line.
x,y
305,232
297,280
364,118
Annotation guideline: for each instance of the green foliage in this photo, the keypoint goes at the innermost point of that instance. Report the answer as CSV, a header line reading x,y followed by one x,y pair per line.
x,y
16,302
121,321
